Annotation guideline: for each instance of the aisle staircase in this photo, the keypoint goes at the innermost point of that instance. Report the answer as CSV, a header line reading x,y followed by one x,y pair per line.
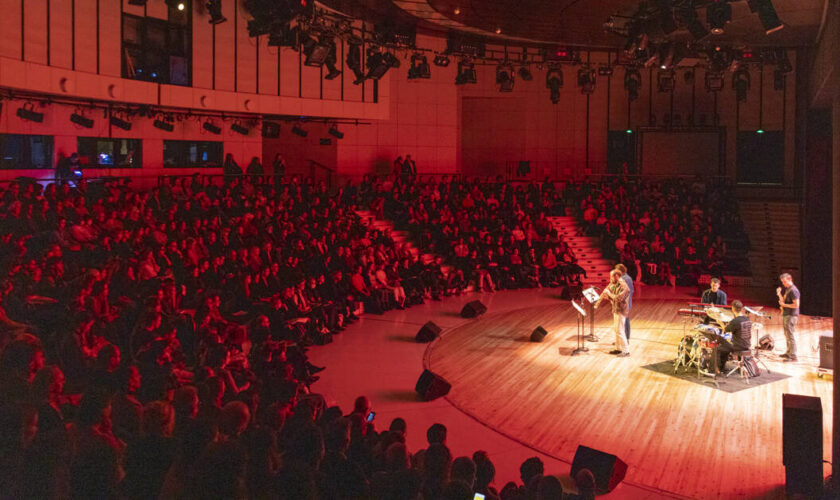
x,y
774,231
399,237
586,248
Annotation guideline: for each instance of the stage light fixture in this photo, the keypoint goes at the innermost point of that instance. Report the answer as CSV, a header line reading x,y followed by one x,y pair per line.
x,y
315,52
332,71
239,128
505,77
525,73
81,120
27,113
178,5
605,70
270,130
299,131
164,125
586,80
419,67
766,14
441,60
665,81
666,16
214,8
333,131
213,129
120,123
466,73
714,81
741,84
632,83
718,15
353,60
554,82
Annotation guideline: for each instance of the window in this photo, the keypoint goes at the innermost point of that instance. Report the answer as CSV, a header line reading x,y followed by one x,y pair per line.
x,y
26,151
158,51
97,152
192,154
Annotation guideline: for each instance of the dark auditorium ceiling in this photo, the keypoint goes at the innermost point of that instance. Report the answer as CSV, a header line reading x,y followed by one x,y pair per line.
x,y
576,22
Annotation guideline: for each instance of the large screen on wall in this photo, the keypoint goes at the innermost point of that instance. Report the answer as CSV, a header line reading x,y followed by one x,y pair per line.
x,y
681,152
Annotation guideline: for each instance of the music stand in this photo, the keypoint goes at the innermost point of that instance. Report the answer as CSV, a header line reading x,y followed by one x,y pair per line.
x,y
581,326
592,294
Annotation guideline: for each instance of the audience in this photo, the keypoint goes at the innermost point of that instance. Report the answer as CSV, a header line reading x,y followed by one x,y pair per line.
x,y
176,322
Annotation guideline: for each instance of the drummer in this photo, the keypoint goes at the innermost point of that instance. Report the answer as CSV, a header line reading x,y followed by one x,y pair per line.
x,y
741,329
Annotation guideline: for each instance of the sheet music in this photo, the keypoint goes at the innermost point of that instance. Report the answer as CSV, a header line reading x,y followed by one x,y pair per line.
x,y
591,295
579,309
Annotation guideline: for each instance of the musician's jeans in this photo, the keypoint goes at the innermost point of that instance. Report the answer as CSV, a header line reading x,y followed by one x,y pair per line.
x,y
627,326
789,325
620,337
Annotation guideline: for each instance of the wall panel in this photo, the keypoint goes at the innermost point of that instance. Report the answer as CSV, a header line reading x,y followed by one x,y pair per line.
x,y
268,78
85,43
246,53
202,46
225,64
35,31
61,33
110,42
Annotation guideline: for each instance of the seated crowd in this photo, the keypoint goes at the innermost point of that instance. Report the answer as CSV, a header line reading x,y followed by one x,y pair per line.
x,y
154,343
665,231
494,235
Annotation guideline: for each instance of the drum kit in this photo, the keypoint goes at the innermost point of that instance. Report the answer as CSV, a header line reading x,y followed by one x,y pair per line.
x,y
698,348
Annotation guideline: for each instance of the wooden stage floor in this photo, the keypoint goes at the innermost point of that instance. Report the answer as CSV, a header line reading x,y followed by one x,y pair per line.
x,y
677,436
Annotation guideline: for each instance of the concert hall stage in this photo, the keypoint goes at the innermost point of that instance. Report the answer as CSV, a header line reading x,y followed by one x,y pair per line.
x,y
679,438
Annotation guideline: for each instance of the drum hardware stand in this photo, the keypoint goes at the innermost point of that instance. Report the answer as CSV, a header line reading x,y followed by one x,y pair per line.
x,y
581,327
755,335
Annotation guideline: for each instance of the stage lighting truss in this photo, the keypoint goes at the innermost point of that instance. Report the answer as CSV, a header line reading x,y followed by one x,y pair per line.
x,y
505,77
554,82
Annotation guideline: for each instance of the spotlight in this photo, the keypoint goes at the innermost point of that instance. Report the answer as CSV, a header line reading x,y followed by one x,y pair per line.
x,y
81,120
316,52
297,130
767,14
605,70
718,15
26,113
270,130
466,73
239,128
665,81
554,82
164,125
214,8
666,16
176,4
213,129
419,67
632,83
525,73
332,71
714,81
333,131
354,62
505,77
379,63
586,80
741,84
441,60
120,123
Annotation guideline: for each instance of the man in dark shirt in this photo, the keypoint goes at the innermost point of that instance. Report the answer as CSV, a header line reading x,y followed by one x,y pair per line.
x,y
741,329
714,295
629,280
789,303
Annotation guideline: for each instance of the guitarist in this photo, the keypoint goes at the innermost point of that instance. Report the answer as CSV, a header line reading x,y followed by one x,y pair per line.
x,y
789,304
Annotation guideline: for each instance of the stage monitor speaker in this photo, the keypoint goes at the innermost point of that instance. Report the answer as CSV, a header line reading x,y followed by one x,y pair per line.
x,y
428,333
609,470
473,309
538,335
431,386
802,444
766,343
827,352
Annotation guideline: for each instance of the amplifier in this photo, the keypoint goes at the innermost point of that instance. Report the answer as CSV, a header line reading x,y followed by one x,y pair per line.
x,y
826,352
